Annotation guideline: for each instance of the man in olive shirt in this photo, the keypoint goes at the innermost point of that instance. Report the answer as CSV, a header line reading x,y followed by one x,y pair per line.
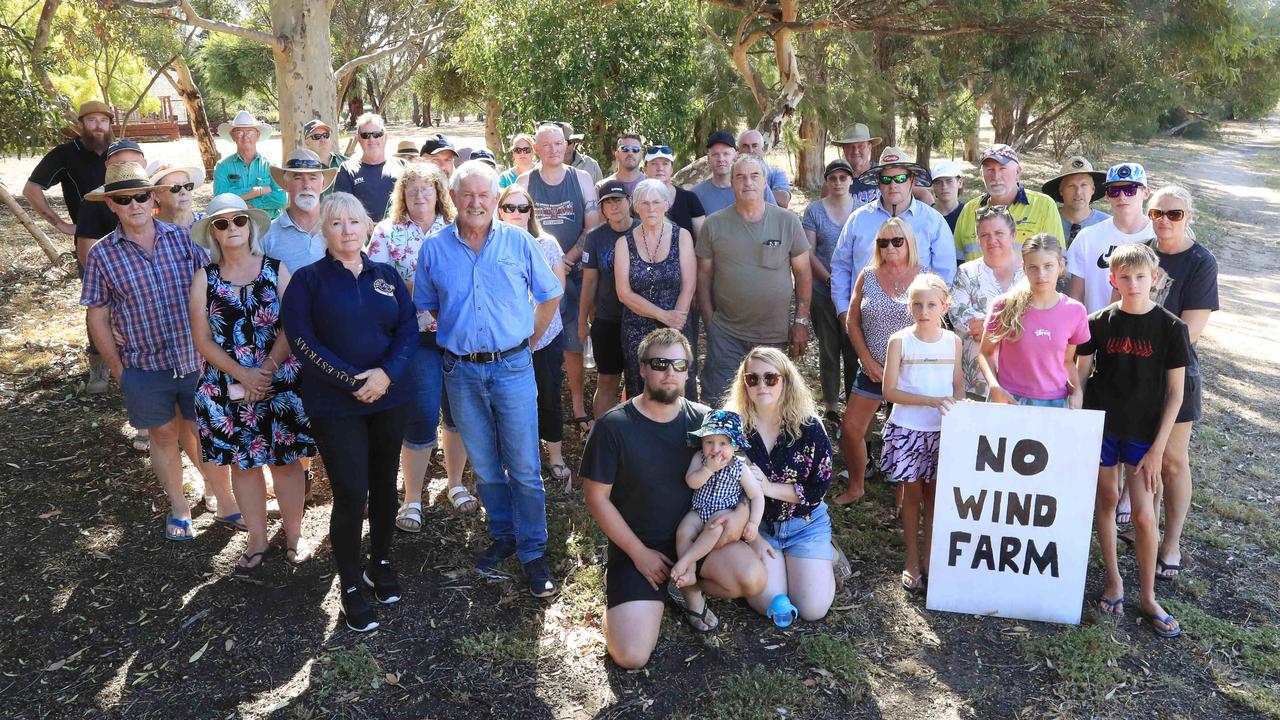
x,y
752,257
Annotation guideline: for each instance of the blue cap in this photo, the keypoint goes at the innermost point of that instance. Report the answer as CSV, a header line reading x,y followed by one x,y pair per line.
x,y
721,137
1126,174
121,145
722,422
484,156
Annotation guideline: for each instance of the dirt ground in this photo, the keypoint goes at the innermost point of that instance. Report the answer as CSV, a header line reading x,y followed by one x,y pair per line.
x,y
103,618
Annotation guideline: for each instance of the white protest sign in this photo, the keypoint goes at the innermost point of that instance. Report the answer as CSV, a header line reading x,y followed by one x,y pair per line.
x,y
1014,511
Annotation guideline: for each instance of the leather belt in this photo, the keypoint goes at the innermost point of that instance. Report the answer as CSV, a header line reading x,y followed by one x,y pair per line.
x,y
483,358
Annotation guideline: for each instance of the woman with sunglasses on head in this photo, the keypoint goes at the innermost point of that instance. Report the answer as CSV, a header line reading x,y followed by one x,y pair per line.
x,y
247,409
522,159
1188,288
175,189
877,310
515,207
978,283
790,454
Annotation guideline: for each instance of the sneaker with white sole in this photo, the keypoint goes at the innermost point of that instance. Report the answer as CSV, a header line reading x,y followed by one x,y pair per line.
x,y
542,584
357,612
380,578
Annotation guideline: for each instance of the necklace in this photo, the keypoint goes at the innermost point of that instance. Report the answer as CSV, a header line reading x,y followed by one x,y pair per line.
x,y
652,252
898,286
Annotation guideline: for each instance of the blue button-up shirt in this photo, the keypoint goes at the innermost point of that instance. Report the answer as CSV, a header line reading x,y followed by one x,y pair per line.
x,y
934,243
292,245
482,301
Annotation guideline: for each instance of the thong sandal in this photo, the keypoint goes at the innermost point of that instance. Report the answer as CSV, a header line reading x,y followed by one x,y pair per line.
x,y
244,567
707,627
913,585
409,518
1175,569
298,554
583,423
235,520
1111,608
463,501
1167,620
184,533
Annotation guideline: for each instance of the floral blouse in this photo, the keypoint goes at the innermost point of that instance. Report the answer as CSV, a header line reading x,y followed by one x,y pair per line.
x,y
397,245
804,462
975,289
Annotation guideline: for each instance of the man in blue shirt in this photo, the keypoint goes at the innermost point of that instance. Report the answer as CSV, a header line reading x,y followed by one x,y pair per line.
x,y
490,288
372,177
716,192
751,141
245,172
934,242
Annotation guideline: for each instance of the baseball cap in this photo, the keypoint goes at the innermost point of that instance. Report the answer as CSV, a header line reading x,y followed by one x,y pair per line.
x,y
611,189
946,168
438,143
122,145
1001,153
653,152
837,166
721,137
314,125
484,156
1126,173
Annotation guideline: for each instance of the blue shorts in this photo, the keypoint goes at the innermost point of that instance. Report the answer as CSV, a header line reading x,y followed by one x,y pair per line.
x,y
800,537
150,397
1116,449
864,386
569,311
1035,402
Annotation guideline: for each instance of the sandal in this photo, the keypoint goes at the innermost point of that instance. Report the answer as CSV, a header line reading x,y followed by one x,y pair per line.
x,y
1173,570
246,564
409,518
235,520
183,532
298,554
1111,608
561,472
913,585
142,441
1168,620
707,627
462,500
581,421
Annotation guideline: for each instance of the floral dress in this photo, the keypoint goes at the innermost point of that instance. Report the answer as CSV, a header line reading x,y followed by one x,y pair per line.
x,y
397,244
975,288
659,283
804,462
245,321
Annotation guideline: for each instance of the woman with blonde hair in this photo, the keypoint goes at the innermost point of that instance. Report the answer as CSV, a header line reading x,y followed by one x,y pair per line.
x,y
791,455
522,159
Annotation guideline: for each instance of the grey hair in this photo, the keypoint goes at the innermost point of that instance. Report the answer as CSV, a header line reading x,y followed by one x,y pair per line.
x,y
747,157
474,168
648,188
343,203
1182,194
215,247
547,127
369,117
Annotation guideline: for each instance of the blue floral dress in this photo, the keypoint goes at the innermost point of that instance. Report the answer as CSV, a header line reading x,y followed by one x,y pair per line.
x,y
245,321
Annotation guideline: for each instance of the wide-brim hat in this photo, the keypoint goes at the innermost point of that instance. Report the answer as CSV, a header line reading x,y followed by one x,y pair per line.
x,y
858,132
407,147
303,160
895,157
245,119
1075,166
722,422
122,179
157,169
225,205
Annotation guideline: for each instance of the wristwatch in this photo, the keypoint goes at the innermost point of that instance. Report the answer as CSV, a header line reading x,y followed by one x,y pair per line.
x,y
802,321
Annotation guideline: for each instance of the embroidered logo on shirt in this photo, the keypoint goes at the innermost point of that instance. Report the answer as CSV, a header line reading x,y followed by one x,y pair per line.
x,y
1043,332
358,181
383,287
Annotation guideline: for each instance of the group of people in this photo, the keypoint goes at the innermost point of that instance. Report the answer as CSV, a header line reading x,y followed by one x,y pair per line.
x,y
349,307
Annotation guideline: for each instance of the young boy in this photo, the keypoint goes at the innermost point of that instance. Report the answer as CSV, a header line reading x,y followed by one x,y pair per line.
x,y
1132,368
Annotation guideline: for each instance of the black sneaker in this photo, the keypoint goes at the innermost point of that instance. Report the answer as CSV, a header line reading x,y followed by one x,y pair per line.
x,y
356,610
382,580
541,582
493,555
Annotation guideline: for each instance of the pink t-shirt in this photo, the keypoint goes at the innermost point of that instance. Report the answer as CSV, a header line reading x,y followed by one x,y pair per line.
x,y
1032,366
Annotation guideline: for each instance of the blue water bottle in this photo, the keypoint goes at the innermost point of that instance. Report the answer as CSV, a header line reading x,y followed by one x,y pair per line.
x,y
781,611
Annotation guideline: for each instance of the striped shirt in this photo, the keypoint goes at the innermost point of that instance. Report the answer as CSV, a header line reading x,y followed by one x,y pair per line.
x,y
147,296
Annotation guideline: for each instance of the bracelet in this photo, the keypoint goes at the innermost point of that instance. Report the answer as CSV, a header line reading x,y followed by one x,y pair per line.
x,y
802,321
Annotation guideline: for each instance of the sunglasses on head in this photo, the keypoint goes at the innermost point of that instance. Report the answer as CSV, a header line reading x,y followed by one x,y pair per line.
x,y
374,134
894,179
320,136
665,149
630,148
1128,190
512,208
991,211
126,199
660,364
770,379
522,150
1172,215
175,189
897,242
224,223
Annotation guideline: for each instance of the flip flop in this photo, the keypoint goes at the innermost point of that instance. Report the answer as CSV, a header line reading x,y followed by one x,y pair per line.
x,y
295,556
1111,608
1166,620
690,616
583,422
235,520
914,586
173,522
243,568
1165,567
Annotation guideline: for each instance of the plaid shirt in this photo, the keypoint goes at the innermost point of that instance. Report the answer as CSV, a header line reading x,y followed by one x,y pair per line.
x,y
147,295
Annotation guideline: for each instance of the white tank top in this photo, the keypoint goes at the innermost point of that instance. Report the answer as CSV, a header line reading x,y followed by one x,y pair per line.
x,y
927,369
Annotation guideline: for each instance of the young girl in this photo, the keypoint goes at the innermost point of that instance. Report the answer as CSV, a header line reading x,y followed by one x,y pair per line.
x,y
719,479
1028,349
922,378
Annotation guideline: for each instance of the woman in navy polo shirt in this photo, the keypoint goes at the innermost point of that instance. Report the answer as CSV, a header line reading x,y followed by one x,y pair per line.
x,y
353,328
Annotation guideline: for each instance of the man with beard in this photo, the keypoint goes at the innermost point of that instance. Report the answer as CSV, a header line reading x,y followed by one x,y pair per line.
x,y
294,237
1033,212
633,472
79,165
627,153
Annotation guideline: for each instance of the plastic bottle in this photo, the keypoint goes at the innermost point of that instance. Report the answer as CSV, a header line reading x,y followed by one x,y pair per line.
x,y
588,357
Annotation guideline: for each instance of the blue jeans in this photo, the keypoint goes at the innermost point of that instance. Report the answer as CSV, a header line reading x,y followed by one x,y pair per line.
x,y
424,406
496,408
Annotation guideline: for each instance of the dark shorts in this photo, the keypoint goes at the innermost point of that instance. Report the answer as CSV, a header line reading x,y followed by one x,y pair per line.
x,y
1116,450
866,387
150,397
1190,410
606,345
624,583
446,413
569,311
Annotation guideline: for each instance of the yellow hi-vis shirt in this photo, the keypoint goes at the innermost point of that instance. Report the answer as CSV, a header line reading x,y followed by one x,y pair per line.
x,y
1032,211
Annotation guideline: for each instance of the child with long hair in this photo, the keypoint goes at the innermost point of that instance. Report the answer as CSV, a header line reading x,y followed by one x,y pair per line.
x,y
922,378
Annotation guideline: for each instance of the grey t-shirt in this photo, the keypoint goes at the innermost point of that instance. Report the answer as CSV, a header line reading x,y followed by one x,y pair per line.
x,y
715,198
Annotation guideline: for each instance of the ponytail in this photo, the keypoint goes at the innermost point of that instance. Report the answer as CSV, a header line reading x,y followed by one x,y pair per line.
x,y
1018,299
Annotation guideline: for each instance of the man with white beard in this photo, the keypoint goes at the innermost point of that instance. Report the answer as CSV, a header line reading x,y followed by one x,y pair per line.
x,y
294,237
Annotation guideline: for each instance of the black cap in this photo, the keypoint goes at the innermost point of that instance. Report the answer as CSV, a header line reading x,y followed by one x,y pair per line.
x,y
836,166
121,145
721,137
484,156
437,143
311,126
612,188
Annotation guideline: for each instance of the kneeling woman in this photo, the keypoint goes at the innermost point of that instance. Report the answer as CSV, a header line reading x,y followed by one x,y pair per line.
x,y
787,443
354,329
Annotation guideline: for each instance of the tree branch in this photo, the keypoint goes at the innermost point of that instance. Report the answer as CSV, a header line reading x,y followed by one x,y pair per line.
x,y
189,16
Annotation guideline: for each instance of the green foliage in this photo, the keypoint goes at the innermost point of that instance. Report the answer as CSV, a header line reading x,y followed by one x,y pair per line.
x,y
240,70
850,668
345,672
29,121
1258,648
756,694
499,647
1085,657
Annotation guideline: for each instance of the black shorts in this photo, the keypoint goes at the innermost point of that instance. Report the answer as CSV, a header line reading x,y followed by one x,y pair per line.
x,y
1190,410
624,583
606,346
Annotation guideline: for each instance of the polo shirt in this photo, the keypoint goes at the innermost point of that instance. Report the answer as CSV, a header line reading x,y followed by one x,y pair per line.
x,y
483,302
778,179
854,248
1033,212
589,165
292,245
232,174
76,168
371,184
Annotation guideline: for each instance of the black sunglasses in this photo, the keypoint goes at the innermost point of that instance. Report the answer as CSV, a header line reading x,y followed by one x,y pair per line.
x,y
175,189
897,242
660,364
320,136
223,223
1128,190
894,179
665,149
511,208
374,134
770,379
522,150
126,199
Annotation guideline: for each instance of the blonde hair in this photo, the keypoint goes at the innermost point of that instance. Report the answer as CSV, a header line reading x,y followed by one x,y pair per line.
x,y
343,203
399,213
1182,194
885,231
215,245
796,406
370,118
1134,256
930,282
1018,299
535,227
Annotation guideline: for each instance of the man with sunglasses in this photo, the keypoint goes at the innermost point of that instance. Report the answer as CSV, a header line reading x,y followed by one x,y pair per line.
x,y
629,150
371,178
751,141
319,138
633,470
1089,256
1033,212
716,192
294,238
246,172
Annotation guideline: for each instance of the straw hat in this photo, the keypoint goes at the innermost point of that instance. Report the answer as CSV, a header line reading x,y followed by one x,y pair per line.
x,y
245,119
157,169
858,132
303,160
122,179
228,205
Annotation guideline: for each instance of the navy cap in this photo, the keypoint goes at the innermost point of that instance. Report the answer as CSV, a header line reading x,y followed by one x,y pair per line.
x,y
484,156
612,189
437,143
721,137
122,145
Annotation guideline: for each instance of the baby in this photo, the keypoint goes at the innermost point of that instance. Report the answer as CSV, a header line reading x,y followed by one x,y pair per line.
x,y
719,479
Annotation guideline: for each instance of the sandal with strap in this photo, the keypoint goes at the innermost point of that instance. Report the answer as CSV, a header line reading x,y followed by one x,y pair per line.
x,y
235,520
184,532
464,502
251,563
409,518
298,554
707,626
1167,571
584,423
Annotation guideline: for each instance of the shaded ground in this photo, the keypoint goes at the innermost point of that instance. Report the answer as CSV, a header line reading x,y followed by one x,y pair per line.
x,y
103,618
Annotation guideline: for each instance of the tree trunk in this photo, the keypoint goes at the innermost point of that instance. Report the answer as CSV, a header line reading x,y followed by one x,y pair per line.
x,y
41,239
38,46
426,110
194,104
1002,114
812,153
491,136
305,82
883,62
784,56
924,135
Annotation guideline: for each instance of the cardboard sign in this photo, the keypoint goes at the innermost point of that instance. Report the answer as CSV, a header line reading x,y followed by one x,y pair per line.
x,y
1014,511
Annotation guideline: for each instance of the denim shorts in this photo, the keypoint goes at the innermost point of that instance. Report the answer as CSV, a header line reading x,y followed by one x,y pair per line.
x,y
1116,449
864,386
800,537
150,397
1035,402
569,311
424,406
